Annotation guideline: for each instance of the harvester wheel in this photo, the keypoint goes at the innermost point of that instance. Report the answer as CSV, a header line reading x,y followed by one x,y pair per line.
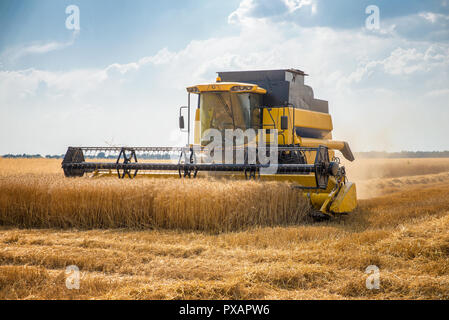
x,y
73,155
318,216
126,159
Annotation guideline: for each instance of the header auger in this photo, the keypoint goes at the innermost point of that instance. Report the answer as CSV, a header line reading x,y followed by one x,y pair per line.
x,y
263,125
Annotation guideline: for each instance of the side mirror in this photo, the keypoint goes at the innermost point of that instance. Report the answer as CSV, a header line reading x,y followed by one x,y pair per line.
x,y
181,122
284,123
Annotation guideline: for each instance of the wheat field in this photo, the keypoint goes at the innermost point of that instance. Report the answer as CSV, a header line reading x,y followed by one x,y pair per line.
x,y
402,228
182,204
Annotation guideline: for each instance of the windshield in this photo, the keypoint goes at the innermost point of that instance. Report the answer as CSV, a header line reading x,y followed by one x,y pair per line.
x,y
225,110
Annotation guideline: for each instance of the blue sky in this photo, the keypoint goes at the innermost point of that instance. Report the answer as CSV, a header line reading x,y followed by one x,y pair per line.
x,y
122,77
112,31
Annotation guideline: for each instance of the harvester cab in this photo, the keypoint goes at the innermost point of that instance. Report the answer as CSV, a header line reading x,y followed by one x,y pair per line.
x,y
264,125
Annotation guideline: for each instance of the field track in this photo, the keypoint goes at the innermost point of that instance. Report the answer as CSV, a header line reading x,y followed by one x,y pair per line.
x,y
404,231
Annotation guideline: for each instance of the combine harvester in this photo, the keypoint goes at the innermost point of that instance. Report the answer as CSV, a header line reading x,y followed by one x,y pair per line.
x,y
290,122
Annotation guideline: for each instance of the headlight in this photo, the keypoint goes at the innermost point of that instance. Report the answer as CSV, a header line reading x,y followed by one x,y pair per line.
x,y
193,90
242,88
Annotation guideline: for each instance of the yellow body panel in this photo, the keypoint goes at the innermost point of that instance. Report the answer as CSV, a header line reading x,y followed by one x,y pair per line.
x,y
331,144
272,120
197,128
298,118
312,119
342,199
317,199
346,200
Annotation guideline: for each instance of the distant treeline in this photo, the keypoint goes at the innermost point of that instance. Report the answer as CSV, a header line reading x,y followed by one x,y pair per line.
x,y
32,156
363,155
402,154
100,155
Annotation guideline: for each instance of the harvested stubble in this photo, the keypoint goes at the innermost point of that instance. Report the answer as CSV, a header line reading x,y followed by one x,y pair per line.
x,y
405,233
51,201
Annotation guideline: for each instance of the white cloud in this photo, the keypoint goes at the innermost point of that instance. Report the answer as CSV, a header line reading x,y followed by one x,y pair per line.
x,y
239,15
404,62
43,48
253,11
294,5
123,68
438,93
24,83
409,61
423,26
434,17
15,53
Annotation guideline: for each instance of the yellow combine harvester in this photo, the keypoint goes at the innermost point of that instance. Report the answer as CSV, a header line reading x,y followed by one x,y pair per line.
x,y
267,114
